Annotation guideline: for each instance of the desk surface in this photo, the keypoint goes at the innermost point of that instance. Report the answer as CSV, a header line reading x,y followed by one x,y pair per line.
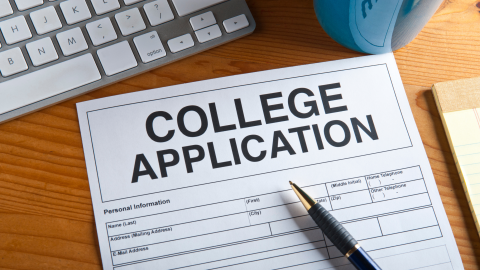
x,y
46,218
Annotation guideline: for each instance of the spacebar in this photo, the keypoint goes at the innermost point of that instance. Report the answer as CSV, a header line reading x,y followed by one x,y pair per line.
x,y
48,82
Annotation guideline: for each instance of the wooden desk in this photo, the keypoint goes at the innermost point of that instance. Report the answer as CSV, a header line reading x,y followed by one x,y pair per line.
x,y
46,218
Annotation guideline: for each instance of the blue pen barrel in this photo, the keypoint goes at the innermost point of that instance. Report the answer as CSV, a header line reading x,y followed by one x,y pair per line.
x,y
362,261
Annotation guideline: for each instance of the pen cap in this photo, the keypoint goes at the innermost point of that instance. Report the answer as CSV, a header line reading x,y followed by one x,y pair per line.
x,y
339,236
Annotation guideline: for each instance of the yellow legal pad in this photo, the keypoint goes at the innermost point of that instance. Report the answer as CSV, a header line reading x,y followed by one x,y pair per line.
x,y
459,105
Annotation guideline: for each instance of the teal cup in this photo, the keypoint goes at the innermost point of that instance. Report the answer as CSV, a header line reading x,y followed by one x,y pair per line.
x,y
374,26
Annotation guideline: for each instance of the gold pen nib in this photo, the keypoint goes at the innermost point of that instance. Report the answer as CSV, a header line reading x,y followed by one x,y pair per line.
x,y
306,200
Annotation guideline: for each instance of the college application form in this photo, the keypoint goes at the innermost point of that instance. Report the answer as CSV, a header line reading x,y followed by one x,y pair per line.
x,y
196,176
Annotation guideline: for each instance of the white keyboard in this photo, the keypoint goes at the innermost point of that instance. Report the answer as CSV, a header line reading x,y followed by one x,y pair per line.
x,y
54,50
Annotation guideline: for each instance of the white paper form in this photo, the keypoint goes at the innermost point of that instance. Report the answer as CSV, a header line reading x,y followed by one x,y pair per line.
x,y
195,176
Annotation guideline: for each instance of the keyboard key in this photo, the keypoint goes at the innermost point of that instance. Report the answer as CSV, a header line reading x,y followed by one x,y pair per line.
x,y
72,41
104,6
15,30
208,33
42,51
185,7
75,11
158,12
26,4
45,20
112,63
11,62
130,2
101,31
5,8
202,20
180,43
130,21
67,75
149,47
235,23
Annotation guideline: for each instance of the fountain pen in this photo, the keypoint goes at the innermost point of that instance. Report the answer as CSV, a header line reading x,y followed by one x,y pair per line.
x,y
339,236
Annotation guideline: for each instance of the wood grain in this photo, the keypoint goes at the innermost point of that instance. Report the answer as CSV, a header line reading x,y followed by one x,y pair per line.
x,y
46,219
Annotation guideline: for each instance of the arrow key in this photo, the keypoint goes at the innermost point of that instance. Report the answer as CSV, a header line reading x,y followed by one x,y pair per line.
x,y
235,23
203,20
209,33
180,43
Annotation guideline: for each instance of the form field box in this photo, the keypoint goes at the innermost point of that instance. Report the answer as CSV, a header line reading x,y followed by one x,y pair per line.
x,y
277,247
435,258
283,197
276,213
172,218
379,208
267,200
344,186
363,229
276,259
189,244
155,235
393,177
316,191
293,224
441,266
398,190
401,238
341,263
407,221
228,255
350,199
